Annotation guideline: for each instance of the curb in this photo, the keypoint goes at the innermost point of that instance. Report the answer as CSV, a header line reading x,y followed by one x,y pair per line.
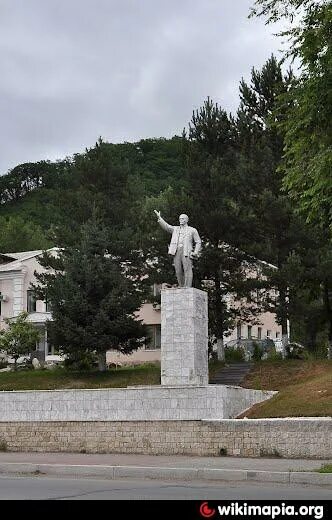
x,y
115,472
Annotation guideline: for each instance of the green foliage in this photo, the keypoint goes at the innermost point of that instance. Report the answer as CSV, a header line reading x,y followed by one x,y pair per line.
x,y
234,354
326,468
221,213
19,235
274,356
295,351
94,294
308,134
60,378
80,360
257,352
20,337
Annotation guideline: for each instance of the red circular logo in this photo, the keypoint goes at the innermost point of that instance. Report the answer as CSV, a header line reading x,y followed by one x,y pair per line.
x,y
206,511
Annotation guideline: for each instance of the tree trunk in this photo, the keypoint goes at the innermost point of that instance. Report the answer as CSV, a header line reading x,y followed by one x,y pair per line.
x,y
328,308
284,321
220,349
102,361
219,320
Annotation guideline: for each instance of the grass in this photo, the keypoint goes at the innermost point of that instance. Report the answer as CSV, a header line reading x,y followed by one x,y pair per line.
x,y
215,366
327,468
305,388
61,378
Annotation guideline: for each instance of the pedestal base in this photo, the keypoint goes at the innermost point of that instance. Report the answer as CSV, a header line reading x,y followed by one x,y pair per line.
x,y
184,337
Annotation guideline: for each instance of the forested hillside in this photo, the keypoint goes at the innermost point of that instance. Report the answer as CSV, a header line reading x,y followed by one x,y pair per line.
x,y
38,199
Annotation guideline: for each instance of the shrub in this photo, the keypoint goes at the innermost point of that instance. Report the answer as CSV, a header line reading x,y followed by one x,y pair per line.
x,y
273,355
80,360
257,352
234,354
295,351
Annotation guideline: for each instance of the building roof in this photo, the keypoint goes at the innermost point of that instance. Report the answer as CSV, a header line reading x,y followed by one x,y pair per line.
x,y
13,261
24,255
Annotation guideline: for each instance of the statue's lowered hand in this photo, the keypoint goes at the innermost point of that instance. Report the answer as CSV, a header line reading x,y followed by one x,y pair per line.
x,y
157,213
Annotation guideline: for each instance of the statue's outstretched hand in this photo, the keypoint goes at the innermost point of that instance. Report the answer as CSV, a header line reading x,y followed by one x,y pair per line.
x,y
157,213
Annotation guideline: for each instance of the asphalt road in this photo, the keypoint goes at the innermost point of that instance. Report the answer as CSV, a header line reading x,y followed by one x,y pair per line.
x,y
60,488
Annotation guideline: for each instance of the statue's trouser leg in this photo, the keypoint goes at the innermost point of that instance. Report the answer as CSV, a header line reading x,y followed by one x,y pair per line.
x,y
188,271
178,266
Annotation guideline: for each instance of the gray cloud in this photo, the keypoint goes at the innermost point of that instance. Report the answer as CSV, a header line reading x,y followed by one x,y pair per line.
x,y
72,70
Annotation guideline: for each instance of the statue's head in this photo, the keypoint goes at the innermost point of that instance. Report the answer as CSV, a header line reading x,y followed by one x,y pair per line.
x,y
183,219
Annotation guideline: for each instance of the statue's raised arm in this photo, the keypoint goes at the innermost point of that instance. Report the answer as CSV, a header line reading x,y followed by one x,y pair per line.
x,y
185,246
163,223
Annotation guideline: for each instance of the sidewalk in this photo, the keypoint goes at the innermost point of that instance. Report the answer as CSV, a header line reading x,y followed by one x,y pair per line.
x,y
113,466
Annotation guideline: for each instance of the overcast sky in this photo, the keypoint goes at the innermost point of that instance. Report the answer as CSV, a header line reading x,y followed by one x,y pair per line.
x,y
74,70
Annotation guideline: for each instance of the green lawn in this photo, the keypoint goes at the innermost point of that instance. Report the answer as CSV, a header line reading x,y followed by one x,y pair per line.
x,y
60,378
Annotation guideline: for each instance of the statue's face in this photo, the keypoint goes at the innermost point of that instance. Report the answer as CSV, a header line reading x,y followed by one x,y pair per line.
x,y
183,219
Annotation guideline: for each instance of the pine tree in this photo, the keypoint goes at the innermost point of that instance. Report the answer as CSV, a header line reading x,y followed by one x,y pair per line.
x,y
279,231
93,294
220,213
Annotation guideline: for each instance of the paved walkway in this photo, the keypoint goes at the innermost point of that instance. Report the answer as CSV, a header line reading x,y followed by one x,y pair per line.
x,y
294,471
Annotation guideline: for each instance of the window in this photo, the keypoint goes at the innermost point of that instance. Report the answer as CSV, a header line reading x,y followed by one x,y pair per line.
x,y
31,301
277,335
238,330
249,331
153,338
259,332
268,333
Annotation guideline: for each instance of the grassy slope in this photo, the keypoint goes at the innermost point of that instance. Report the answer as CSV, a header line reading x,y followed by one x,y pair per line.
x,y
60,378
305,388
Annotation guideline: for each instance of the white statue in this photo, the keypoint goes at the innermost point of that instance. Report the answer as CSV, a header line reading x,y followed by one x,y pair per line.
x,y
185,245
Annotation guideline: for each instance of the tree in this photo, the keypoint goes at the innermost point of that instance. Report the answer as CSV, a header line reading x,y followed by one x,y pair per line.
x,y
19,235
93,294
20,337
217,189
307,160
278,231
308,131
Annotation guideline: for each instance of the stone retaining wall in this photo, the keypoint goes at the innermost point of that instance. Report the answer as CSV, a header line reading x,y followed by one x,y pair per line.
x,y
155,403
291,438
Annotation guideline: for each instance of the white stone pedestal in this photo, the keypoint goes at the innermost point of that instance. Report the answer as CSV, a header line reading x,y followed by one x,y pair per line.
x,y
184,337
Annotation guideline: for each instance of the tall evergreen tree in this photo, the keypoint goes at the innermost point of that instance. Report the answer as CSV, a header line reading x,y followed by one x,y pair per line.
x,y
220,213
307,128
93,294
278,231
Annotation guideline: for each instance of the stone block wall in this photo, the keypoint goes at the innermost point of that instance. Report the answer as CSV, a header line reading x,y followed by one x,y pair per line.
x,y
129,404
291,438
